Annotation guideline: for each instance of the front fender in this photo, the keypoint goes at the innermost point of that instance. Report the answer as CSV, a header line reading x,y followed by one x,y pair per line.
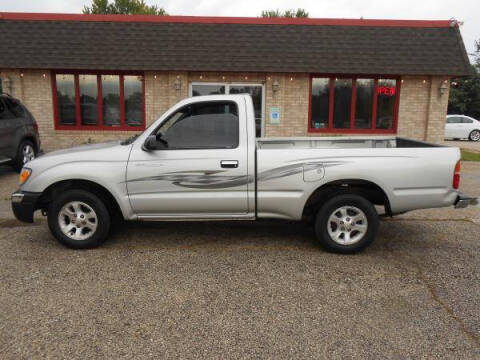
x,y
108,174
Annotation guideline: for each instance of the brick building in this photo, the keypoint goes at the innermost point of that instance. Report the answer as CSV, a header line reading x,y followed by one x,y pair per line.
x,y
89,78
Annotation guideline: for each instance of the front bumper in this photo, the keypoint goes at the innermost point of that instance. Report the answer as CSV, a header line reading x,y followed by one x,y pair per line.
x,y
463,201
24,204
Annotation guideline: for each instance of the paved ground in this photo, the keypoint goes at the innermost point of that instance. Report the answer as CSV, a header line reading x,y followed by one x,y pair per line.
x,y
243,290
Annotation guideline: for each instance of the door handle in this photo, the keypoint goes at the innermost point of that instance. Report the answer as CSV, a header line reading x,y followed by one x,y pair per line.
x,y
230,164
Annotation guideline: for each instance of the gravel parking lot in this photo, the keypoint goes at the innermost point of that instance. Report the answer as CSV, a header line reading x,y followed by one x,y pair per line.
x,y
243,290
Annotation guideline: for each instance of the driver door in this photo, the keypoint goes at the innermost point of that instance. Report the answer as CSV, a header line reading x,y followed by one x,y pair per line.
x,y
198,167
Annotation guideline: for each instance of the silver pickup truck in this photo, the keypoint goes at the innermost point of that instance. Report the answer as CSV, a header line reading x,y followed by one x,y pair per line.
x,y
201,161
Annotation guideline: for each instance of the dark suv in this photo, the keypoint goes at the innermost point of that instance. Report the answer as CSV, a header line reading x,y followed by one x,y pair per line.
x,y
19,139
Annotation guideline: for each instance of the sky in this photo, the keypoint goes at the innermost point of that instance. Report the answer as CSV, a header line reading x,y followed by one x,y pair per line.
x,y
467,11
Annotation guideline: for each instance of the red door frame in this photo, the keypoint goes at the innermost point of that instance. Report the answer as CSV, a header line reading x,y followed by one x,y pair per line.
x,y
352,130
101,127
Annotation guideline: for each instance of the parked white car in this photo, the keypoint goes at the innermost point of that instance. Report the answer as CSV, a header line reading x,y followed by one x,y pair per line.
x,y
462,127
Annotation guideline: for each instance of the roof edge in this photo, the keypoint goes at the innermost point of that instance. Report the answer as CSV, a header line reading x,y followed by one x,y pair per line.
x,y
143,69
19,16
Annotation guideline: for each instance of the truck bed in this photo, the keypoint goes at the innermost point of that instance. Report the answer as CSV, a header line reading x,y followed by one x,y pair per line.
x,y
344,142
413,174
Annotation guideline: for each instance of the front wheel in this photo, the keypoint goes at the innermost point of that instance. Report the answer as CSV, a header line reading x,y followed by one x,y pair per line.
x,y
346,224
474,135
79,219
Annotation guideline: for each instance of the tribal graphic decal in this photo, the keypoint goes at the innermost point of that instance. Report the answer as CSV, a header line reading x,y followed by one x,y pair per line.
x,y
296,168
200,179
205,179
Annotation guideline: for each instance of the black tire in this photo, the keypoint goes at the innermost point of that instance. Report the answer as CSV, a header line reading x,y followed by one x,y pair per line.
x,y
18,163
474,135
101,212
337,202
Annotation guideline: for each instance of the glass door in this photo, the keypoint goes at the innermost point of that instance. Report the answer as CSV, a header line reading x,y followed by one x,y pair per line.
x,y
255,91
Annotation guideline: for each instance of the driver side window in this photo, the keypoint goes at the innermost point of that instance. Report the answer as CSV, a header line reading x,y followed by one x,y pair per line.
x,y
206,125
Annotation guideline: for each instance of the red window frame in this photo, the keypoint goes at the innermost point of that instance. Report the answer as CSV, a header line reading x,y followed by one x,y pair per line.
x,y
352,130
78,123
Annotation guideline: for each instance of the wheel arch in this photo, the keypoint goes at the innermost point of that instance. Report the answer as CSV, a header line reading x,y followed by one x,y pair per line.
x,y
30,138
63,185
366,188
471,131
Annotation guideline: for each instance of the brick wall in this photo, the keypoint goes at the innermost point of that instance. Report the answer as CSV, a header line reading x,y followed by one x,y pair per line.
x,y
437,109
292,99
421,113
422,108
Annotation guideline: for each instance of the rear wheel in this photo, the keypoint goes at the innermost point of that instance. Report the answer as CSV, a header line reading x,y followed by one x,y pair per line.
x,y
79,219
346,224
26,152
474,135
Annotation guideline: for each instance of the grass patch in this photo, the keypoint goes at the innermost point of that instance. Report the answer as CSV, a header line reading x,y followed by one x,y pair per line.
x,y
470,155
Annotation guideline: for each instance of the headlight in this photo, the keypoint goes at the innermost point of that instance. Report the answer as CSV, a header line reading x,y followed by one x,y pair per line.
x,y
24,175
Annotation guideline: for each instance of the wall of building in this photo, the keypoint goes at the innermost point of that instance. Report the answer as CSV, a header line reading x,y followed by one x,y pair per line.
x,y
423,108
292,98
421,113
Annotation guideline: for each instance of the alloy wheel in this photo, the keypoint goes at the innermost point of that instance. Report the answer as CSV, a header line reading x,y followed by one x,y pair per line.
x,y
347,225
475,135
28,153
77,220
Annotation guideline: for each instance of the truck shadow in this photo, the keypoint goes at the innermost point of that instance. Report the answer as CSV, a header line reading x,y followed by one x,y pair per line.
x,y
268,235
183,235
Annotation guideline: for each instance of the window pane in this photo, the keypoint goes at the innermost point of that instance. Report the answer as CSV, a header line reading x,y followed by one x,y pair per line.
x,y
66,98
386,91
454,120
364,103
111,100
200,89
203,126
133,100
256,94
88,99
320,102
343,103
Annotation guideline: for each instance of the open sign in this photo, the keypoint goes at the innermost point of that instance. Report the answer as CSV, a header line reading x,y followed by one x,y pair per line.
x,y
386,90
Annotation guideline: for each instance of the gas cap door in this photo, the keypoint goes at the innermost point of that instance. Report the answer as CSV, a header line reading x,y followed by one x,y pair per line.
x,y
313,172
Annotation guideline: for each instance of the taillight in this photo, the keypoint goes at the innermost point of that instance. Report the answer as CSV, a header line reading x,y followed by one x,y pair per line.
x,y
456,176
35,126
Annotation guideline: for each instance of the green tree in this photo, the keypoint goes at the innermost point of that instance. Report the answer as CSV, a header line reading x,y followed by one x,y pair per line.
x,y
128,7
291,13
465,92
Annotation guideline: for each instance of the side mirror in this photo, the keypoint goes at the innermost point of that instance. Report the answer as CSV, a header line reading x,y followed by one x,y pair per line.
x,y
154,142
149,143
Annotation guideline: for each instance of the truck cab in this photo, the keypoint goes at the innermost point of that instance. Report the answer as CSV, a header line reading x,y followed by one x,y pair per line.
x,y
203,153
